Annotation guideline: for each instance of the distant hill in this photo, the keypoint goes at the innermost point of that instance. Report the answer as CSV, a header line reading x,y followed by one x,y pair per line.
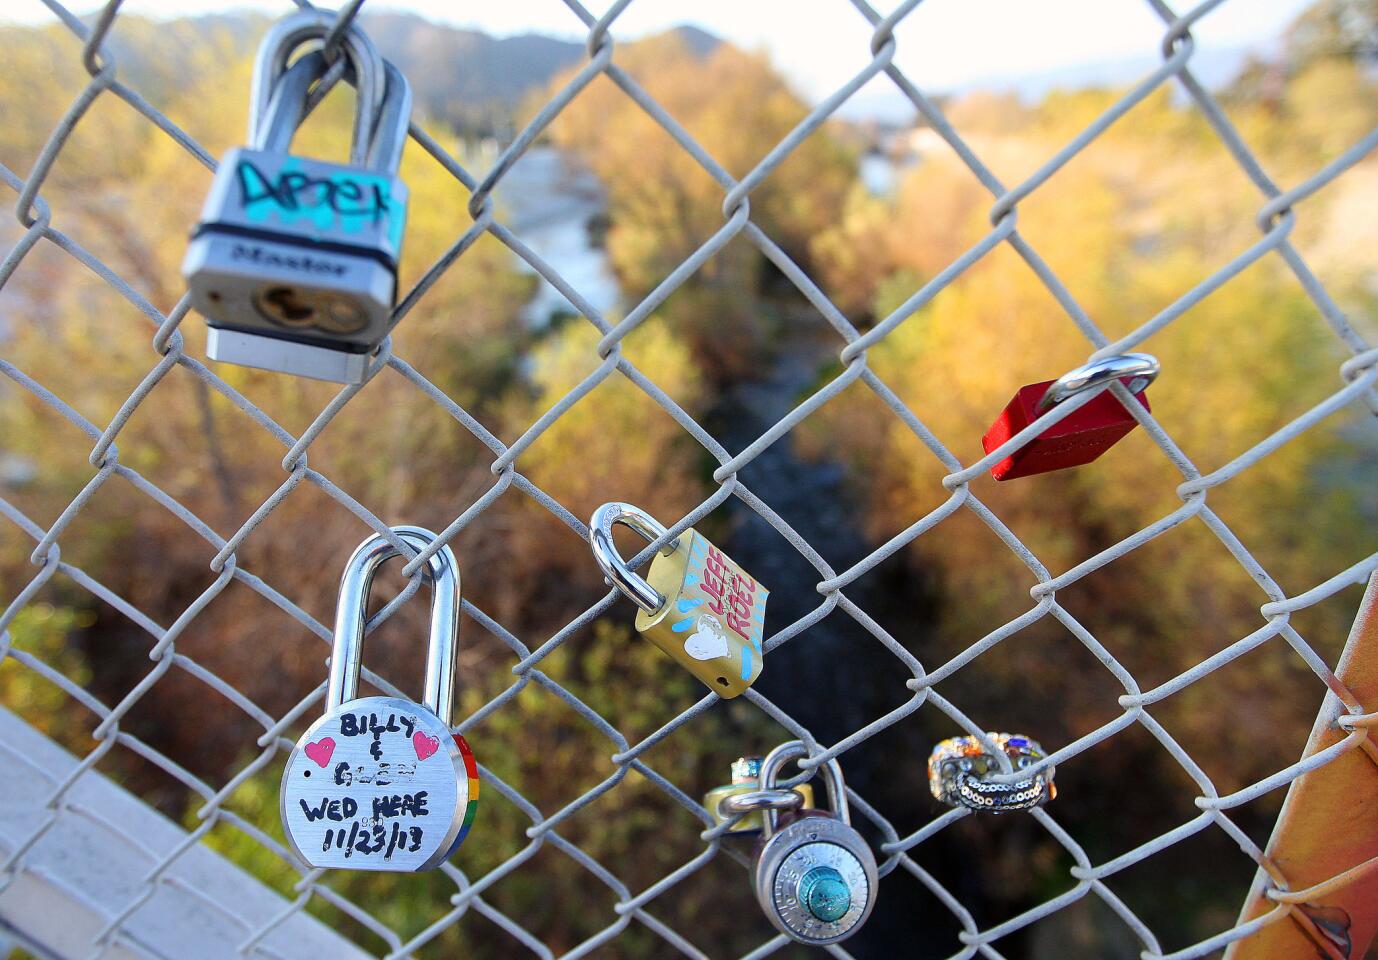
x,y
474,79
465,76
469,78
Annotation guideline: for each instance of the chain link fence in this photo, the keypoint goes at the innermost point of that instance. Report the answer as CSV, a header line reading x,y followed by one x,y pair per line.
x,y
1279,206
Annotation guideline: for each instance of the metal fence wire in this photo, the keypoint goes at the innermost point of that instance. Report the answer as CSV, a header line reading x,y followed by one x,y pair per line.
x,y
1278,209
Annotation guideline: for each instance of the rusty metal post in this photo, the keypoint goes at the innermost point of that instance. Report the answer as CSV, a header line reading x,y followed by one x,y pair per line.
x,y
1322,869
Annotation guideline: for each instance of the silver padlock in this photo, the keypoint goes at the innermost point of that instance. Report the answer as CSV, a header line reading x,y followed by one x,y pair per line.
x,y
294,260
815,876
381,783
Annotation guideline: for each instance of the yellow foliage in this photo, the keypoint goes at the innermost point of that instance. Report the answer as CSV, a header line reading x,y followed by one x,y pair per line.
x,y
615,443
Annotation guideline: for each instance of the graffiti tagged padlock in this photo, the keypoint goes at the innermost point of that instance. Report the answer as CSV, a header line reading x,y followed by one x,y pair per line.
x,y
294,261
746,778
381,783
1084,434
815,876
697,606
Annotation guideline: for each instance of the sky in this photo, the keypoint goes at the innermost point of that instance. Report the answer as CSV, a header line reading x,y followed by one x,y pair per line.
x,y
944,45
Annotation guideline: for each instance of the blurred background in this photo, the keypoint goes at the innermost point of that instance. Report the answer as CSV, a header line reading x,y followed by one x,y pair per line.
x,y
873,206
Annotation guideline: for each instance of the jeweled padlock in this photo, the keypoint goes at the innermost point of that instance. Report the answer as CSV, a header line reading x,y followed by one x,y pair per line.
x,y
1081,436
746,778
960,772
697,606
294,261
381,783
815,876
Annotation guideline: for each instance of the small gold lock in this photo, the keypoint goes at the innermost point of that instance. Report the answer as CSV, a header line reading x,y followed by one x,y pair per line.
x,y
746,777
697,606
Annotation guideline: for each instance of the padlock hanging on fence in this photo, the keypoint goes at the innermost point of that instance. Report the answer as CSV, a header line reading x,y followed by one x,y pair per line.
x,y
294,260
1082,435
960,772
697,606
381,783
814,875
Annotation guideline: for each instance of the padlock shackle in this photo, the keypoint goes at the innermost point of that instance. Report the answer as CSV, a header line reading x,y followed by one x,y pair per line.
x,y
392,123
287,107
1141,366
287,104
351,614
832,776
366,72
754,800
635,587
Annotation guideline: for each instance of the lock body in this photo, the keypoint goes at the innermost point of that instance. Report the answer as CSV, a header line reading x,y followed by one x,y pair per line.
x,y
294,263
815,878
1075,440
746,778
713,618
379,783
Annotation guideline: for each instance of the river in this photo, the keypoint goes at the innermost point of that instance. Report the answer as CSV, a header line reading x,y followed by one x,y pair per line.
x,y
550,203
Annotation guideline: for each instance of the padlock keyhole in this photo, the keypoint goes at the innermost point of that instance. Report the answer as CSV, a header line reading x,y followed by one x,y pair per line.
x,y
724,681
282,304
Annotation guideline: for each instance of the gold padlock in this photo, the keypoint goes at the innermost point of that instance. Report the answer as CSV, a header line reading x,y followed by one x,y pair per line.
x,y
746,777
697,606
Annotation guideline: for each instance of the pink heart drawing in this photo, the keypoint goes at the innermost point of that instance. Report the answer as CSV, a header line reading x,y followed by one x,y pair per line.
x,y
321,750
425,746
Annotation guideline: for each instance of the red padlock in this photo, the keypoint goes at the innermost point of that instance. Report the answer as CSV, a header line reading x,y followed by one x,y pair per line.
x,y
1085,434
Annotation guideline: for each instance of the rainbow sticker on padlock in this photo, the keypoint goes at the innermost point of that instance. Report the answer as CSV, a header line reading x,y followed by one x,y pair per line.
x,y
470,768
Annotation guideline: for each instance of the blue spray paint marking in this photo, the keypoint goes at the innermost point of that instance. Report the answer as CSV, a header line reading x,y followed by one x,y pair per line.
x,y
695,568
346,201
758,621
746,663
683,625
684,606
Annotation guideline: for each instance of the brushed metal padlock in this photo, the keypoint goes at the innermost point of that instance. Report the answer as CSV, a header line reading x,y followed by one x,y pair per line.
x,y
381,783
697,606
294,260
1083,435
814,876
746,778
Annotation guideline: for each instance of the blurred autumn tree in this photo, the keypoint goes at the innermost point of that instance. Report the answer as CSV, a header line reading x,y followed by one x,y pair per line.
x,y
1141,217
663,206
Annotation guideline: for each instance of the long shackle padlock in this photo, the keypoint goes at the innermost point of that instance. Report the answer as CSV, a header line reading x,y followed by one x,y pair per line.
x,y
815,876
381,783
701,609
294,260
